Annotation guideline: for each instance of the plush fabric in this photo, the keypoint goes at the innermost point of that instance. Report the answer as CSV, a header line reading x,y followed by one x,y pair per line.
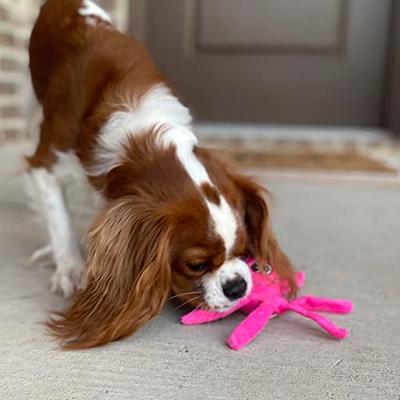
x,y
268,298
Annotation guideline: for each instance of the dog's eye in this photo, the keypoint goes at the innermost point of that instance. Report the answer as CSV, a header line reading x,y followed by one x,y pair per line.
x,y
199,267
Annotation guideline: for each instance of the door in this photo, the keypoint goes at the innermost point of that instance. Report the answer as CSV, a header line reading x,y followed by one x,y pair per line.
x,y
278,61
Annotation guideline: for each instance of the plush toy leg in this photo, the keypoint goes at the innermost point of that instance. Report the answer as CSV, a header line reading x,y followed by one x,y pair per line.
x,y
325,305
197,317
248,329
300,278
329,326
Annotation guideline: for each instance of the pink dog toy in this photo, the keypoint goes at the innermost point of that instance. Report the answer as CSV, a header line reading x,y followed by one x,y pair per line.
x,y
267,299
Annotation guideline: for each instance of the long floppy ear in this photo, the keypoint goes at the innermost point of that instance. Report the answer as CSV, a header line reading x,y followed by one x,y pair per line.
x,y
127,281
263,243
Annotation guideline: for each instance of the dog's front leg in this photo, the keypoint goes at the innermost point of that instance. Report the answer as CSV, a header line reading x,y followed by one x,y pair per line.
x,y
63,240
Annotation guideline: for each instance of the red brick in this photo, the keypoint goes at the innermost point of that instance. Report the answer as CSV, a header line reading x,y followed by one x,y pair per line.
x,y
3,14
7,39
9,135
10,112
8,88
8,64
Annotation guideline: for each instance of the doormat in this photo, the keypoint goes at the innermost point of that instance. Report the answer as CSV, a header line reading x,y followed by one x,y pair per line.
x,y
308,159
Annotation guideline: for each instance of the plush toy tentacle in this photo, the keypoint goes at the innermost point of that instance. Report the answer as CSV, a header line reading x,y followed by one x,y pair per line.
x,y
197,317
323,304
250,327
329,326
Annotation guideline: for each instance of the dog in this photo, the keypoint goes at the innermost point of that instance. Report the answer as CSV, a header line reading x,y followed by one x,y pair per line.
x,y
175,218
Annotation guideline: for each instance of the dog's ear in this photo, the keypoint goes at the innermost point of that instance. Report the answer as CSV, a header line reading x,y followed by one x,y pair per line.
x,y
127,280
263,244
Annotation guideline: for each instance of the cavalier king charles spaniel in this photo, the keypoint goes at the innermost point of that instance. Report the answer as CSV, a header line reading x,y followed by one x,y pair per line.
x,y
174,219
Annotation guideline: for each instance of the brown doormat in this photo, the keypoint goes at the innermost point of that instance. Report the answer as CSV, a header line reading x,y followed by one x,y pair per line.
x,y
309,159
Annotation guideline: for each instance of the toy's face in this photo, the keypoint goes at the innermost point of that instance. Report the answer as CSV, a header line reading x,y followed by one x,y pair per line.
x,y
258,276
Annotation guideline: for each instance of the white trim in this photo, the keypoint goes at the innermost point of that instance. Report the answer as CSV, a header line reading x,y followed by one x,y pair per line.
x,y
21,32
12,77
310,133
13,124
16,53
326,177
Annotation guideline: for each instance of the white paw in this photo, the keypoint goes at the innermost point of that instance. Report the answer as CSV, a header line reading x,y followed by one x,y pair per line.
x,y
67,279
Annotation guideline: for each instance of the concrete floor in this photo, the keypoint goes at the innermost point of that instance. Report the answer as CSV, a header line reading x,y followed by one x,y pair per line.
x,y
345,235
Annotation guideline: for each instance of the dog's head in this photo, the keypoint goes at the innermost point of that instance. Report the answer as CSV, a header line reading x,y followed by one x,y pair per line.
x,y
212,241
170,238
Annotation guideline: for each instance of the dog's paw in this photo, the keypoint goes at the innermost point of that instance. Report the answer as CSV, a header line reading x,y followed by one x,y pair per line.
x,y
67,279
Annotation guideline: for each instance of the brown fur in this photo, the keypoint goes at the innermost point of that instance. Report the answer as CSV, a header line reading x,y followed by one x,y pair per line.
x,y
128,276
210,193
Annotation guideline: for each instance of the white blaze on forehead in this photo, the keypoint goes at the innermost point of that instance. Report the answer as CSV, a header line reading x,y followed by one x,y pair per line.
x,y
184,141
91,9
225,222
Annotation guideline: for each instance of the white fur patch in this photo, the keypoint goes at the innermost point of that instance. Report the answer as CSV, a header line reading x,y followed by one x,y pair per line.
x,y
157,107
225,222
184,141
91,9
63,242
213,283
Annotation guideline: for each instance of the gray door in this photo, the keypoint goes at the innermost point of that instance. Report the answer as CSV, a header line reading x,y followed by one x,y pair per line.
x,y
280,61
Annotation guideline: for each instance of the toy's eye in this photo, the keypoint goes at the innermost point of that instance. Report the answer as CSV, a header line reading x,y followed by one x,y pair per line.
x,y
199,267
268,269
255,267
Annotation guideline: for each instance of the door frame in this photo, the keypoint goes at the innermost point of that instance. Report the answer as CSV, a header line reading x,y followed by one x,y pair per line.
x,y
137,19
391,110
391,97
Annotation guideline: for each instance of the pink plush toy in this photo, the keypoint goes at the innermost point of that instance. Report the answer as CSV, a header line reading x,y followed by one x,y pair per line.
x,y
267,299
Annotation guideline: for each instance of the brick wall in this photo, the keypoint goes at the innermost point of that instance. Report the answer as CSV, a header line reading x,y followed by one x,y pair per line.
x,y
17,105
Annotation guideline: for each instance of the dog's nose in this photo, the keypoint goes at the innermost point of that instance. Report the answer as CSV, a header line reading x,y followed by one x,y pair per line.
x,y
235,289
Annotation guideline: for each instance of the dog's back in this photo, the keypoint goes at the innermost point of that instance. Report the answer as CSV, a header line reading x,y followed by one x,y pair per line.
x,y
52,41
77,60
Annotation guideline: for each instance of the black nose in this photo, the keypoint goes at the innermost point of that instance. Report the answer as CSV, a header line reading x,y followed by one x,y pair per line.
x,y
235,289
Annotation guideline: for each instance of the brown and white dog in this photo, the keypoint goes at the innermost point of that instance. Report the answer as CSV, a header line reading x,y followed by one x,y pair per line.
x,y
175,218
